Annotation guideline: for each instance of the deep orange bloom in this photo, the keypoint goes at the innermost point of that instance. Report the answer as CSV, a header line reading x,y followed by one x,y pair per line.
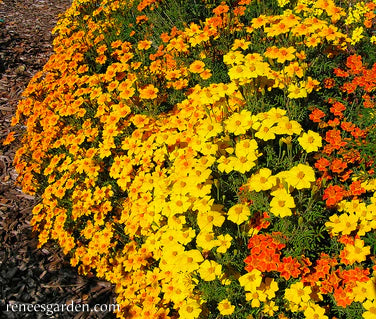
x,y
222,8
338,166
316,115
337,109
334,138
347,126
356,189
354,63
333,195
322,164
289,267
341,73
329,83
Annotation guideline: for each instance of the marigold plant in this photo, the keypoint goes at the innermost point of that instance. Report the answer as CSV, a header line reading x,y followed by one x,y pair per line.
x,y
211,159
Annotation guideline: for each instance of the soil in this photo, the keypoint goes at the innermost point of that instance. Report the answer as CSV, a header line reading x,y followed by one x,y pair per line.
x,y
29,275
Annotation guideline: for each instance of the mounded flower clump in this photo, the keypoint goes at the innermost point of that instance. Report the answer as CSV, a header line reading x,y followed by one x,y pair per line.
x,y
211,159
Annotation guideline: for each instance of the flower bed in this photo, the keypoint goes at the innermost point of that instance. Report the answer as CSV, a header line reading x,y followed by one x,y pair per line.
x,y
212,159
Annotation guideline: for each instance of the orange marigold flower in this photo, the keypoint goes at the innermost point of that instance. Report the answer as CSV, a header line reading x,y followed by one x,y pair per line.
x,y
289,267
149,92
334,138
341,73
197,66
356,189
333,195
338,166
329,83
337,109
144,44
141,18
222,8
316,115
9,139
322,164
354,63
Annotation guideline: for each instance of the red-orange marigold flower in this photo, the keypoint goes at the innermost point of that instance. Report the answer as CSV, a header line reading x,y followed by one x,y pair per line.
x,y
338,166
356,189
316,115
322,164
333,195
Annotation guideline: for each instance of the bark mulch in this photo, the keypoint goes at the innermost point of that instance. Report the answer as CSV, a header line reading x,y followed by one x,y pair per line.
x,y
29,275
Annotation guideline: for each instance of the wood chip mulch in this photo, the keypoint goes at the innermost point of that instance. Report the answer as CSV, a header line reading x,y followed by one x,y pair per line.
x,y
29,275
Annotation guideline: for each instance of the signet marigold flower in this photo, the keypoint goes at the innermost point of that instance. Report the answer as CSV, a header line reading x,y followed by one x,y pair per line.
x,y
225,307
209,270
281,203
301,176
197,67
238,213
261,181
310,141
149,92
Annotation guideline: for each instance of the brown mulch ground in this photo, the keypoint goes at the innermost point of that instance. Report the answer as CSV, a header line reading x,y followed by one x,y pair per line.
x,y
28,274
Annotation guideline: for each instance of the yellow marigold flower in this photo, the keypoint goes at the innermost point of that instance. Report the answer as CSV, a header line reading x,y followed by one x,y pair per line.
x,y
260,21
126,91
269,287
256,297
276,114
285,54
238,213
246,147
293,69
282,3
315,311
370,306
209,128
149,92
345,223
285,126
269,308
266,132
296,92
209,270
244,164
281,203
224,243
190,260
357,252
251,281
310,141
357,35
206,74
190,309
225,307
301,176
298,294
206,220
261,181
240,123
364,290
197,66
226,164
240,43
206,241
233,57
